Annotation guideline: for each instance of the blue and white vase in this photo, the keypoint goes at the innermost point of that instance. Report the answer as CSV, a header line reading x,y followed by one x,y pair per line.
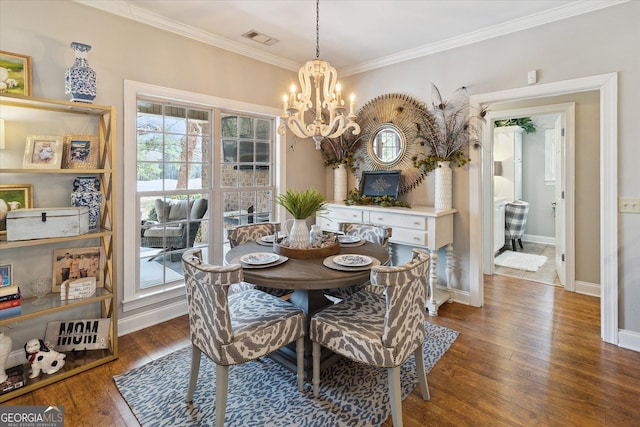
x,y
86,192
80,79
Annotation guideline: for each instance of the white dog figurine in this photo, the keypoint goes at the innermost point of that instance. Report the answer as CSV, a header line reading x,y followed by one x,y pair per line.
x,y
42,358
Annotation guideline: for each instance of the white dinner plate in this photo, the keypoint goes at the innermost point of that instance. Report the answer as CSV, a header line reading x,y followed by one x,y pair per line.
x,y
348,239
259,258
351,260
268,239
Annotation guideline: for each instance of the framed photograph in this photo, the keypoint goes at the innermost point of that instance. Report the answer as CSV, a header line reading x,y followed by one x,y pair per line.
x,y
77,263
80,152
12,197
380,183
43,152
6,278
15,73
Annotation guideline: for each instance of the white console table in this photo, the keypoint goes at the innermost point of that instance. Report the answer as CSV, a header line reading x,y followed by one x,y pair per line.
x,y
419,226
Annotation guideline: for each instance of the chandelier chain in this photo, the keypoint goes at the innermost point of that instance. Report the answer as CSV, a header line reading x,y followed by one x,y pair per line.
x,y
317,28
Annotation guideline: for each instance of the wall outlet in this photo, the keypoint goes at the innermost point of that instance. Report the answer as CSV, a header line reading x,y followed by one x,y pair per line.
x,y
532,77
629,204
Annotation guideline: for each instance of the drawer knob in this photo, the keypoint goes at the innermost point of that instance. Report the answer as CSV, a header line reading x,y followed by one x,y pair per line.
x,y
416,223
380,219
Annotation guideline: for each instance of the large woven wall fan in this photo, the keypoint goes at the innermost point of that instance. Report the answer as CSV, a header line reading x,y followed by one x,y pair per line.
x,y
389,128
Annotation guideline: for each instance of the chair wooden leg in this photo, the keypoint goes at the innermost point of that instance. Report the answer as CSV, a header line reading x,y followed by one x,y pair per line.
x,y
315,352
513,243
422,375
520,243
395,395
300,355
195,368
222,384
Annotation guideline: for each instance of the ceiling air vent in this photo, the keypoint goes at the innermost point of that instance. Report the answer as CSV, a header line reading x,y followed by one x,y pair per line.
x,y
260,38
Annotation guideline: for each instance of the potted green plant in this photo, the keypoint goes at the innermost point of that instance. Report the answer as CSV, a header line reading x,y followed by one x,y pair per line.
x,y
447,132
525,123
301,204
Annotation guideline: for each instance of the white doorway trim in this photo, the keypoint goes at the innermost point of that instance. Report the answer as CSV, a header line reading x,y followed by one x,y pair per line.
x,y
607,85
567,112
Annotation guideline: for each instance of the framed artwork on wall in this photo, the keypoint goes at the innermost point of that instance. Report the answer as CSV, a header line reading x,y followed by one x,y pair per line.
x,y
77,263
43,152
15,73
6,278
12,197
80,152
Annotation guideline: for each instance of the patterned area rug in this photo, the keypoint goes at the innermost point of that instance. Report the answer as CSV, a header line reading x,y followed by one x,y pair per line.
x,y
520,261
262,393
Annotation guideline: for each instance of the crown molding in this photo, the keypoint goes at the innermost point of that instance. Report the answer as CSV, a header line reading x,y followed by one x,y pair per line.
x,y
126,10
563,12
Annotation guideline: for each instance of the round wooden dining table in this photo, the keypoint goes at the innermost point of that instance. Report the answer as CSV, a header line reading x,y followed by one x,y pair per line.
x,y
307,278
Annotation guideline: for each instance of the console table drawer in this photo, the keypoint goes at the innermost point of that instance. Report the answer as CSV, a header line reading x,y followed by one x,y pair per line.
x,y
345,215
407,236
334,216
392,219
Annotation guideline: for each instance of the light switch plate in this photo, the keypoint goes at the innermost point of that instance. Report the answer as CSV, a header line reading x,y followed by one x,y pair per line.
x,y
629,204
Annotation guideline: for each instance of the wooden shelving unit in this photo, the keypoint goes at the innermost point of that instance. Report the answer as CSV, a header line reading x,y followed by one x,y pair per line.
x,y
105,296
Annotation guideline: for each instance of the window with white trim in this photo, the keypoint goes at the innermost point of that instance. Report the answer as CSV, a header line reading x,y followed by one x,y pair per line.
x,y
190,169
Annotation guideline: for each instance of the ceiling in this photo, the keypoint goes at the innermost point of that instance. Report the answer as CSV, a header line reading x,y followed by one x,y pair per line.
x,y
355,35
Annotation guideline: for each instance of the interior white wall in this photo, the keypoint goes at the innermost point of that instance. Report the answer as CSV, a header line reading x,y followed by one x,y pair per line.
x,y
541,220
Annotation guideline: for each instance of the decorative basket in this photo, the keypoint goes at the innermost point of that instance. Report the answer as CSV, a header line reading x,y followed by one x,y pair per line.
x,y
311,253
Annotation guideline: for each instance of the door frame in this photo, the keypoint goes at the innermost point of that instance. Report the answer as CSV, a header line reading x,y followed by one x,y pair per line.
x,y
479,172
567,169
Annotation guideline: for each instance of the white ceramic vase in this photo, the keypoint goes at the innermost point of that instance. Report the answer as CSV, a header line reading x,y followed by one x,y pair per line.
x,y
298,233
340,183
443,185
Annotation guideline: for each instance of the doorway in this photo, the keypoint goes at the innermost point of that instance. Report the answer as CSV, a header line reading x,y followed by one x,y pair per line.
x,y
479,180
546,182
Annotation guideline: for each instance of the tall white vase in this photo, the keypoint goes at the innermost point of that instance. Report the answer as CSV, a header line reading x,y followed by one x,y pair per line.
x,y
5,349
340,183
298,233
443,186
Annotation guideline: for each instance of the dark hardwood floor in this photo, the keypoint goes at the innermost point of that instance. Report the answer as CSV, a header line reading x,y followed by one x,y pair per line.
x,y
531,356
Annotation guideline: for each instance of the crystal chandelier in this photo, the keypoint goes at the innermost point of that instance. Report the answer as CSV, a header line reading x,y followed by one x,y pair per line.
x,y
330,120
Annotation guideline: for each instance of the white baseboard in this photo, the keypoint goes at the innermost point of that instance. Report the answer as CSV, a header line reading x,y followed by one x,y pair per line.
x,y
586,288
461,297
151,317
629,340
545,240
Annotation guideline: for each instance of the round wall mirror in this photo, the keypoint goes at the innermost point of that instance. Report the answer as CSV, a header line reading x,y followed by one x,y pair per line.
x,y
387,146
388,131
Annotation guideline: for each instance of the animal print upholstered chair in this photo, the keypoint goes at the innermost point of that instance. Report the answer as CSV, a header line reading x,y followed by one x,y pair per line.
x,y
236,328
250,232
381,329
371,233
246,233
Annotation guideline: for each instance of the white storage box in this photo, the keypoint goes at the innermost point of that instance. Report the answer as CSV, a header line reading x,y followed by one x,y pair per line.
x,y
42,223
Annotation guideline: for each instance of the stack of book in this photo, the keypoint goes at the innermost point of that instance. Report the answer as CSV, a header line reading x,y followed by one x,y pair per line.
x,y
10,301
15,379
